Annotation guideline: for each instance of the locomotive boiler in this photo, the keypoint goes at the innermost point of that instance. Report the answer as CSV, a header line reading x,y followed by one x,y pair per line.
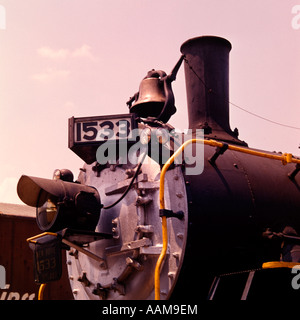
x,y
143,221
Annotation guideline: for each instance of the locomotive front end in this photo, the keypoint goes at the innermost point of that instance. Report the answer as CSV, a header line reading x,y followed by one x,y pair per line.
x,y
161,214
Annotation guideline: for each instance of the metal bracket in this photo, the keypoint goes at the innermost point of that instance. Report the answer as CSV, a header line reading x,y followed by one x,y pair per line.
x,y
128,246
219,151
73,235
102,261
170,214
293,174
153,250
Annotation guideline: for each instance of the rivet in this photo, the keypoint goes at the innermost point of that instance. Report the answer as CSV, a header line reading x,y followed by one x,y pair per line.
x,y
179,235
176,255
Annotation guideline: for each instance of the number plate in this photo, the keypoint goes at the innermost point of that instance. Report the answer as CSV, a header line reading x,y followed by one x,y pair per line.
x,y
86,134
47,259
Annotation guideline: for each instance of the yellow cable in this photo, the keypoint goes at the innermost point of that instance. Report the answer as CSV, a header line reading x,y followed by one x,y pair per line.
x,y
41,291
164,219
285,158
280,264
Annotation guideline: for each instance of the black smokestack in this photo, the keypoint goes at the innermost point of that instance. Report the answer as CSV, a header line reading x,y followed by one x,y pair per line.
x,y
207,85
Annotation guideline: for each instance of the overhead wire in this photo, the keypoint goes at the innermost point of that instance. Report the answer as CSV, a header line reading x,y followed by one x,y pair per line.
x,y
263,118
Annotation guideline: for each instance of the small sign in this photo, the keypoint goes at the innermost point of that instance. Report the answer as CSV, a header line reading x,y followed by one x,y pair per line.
x,y
47,259
87,133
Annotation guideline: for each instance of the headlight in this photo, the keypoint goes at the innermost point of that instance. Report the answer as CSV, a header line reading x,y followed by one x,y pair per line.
x,y
46,214
61,204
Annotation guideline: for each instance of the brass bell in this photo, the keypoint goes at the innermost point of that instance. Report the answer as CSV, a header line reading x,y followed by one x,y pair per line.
x,y
155,97
151,98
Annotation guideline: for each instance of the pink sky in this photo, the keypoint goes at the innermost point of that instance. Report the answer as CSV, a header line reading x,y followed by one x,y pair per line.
x,y
63,58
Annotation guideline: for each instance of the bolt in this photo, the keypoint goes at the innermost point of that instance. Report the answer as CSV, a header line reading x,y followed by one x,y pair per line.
x,y
112,167
143,200
115,221
100,291
74,253
164,292
116,286
84,279
115,229
129,172
176,255
179,235
133,263
75,291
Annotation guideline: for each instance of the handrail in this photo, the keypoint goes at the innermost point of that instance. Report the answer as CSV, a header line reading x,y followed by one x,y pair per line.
x,y
164,219
41,291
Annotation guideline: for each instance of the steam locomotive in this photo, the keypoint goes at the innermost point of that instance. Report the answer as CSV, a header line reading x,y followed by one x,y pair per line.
x,y
229,231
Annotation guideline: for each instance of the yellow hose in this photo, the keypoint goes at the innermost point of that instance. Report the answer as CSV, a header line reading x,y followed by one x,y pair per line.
x,y
164,219
285,158
41,291
280,264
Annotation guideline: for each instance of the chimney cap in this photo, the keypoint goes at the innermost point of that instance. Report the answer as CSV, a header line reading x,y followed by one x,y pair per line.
x,y
206,39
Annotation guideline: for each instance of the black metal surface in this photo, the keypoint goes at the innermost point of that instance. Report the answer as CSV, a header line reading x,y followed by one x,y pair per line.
x,y
238,196
232,202
206,75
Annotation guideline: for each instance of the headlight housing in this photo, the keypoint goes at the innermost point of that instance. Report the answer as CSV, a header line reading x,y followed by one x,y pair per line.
x,y
61,204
